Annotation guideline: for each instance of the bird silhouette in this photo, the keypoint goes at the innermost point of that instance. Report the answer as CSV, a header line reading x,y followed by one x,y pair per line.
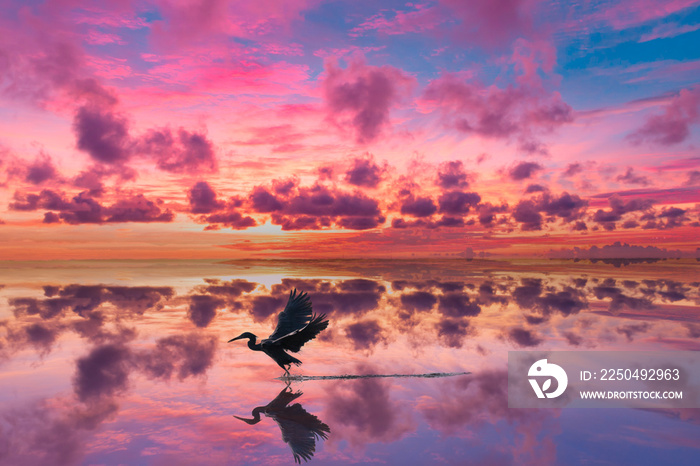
x,y
296,325
300,430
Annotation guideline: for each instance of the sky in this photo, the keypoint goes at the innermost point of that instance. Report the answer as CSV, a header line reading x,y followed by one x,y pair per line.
x,y
312,129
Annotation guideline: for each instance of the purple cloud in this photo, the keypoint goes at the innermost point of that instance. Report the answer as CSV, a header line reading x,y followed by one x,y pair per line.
x,y
202,309
452,175
673,125
103,134
41,170
365,173
364,334
418,301
103,372
515,112
418,207
202,199
573,169
632,178
524,170
182,152
535,188
319,206
523,338
365,94
457,202
526,213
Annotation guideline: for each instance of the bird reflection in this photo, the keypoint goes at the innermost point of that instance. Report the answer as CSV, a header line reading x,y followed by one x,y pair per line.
x,y
300,430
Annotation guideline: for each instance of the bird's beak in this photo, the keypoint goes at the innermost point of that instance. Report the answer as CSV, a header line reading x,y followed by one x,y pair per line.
x,y
234,339
247,421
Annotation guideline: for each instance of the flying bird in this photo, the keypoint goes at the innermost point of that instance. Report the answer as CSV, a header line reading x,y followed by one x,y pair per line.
x,y
300,429
296,325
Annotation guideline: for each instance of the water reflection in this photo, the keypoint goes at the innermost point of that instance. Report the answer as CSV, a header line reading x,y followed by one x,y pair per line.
x,y
300,430
125,370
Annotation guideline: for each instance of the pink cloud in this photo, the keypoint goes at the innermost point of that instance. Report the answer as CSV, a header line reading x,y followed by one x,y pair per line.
x,y
664,31
185,24
484,23
92,177
492,24
673,125
102,38
223,68
422,19
44,60
623,15
492,112
572,169
693,178
277,136
117,16
361,96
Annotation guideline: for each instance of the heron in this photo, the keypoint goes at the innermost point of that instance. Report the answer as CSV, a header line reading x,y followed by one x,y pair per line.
x,y
299,428
296,325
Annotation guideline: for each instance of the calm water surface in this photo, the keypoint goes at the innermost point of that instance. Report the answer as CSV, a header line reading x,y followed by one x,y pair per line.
x,y
127,362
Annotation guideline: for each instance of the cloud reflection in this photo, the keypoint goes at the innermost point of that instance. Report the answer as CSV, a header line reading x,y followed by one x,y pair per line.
x,y
364,412
418,319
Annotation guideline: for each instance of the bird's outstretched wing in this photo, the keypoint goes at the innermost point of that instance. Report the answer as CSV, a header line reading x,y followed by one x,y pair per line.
x,y
295,340
300,430
296,314
284,397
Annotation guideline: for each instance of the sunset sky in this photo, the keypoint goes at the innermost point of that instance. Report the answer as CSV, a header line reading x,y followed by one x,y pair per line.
x,y
235,129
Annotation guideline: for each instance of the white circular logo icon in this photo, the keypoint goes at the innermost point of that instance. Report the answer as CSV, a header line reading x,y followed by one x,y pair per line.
x,y
542,368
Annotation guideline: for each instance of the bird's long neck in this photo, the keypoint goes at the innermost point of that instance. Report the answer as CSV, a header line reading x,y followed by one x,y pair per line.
x,y
252,345
256,416
256,413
